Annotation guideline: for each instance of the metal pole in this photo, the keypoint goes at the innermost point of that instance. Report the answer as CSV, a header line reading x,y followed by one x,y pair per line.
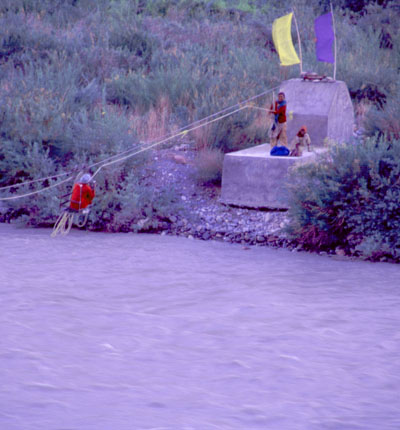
x,y
334,43
298,37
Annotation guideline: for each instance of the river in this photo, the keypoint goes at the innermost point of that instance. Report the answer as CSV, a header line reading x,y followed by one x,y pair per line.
x,y
137,332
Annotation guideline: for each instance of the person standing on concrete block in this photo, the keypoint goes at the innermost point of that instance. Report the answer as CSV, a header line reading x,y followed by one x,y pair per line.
x,y
278,130
301,140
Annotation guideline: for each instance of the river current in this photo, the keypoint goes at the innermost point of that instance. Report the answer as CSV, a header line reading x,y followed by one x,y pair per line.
x,y
137,332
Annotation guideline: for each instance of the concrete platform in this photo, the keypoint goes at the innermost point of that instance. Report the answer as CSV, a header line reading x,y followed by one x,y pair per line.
x,y
253,178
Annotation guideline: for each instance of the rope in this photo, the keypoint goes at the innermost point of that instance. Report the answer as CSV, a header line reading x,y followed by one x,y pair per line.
x,y
84,221
166,140
290,113
181,131
65,221
32,181
37,191
63,224
184,130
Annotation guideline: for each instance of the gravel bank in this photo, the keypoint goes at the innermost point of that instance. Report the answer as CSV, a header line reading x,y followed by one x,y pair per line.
x,y
202,215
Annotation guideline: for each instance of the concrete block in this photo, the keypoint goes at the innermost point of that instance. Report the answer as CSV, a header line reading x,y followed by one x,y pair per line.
x,y
324,107
253,178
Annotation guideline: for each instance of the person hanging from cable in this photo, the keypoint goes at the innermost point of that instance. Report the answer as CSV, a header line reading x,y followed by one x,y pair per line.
x,y
278,129
81,198
82,193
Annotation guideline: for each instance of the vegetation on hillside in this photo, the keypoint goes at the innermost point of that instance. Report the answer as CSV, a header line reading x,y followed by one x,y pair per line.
x,y
83,80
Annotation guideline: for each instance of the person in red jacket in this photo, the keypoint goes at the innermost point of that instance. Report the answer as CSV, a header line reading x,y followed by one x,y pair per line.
x,y
278,130
82,193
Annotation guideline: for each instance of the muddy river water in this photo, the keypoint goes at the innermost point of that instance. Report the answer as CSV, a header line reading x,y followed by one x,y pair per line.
x,y
138,332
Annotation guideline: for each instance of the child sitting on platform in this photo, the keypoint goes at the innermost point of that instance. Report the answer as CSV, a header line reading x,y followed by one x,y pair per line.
x,y
301,140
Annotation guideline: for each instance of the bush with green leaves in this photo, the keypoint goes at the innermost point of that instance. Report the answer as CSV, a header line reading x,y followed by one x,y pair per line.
x,y
122,203
349,198
25,163
386,119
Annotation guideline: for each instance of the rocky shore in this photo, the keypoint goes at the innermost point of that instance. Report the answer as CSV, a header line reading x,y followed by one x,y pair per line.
x,y
202,215
199,213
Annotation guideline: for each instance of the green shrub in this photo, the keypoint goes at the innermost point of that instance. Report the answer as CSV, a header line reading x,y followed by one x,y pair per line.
x,y
21,163
366,83
349,199
385,120
36,104
123,203
130,91
135,42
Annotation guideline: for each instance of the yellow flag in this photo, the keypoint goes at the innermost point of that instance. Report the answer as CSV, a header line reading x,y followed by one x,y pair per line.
x,y
283,40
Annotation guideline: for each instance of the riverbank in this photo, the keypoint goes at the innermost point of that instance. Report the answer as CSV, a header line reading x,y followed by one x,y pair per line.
x,y
198,212
201,214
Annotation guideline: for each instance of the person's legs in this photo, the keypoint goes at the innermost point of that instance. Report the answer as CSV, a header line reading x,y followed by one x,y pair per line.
x,y
282,134
274,136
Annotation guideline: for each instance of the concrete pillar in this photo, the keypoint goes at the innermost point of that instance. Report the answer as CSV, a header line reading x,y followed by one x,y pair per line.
x,y
324,107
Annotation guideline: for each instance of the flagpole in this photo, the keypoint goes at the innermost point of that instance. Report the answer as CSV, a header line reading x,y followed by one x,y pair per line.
x,y
298,37
334,42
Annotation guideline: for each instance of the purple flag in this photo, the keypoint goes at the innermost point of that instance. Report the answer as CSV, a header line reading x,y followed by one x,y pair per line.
x,y
325,38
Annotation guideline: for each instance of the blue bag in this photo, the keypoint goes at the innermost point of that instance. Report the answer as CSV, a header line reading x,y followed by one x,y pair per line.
x,y
280,150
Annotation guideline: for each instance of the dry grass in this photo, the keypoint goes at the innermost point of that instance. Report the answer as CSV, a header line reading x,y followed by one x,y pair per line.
x,y
361,110
208,166
202,137
154,124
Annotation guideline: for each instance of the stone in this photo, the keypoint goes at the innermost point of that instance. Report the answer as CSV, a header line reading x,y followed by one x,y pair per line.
x,y
142,222
180,159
